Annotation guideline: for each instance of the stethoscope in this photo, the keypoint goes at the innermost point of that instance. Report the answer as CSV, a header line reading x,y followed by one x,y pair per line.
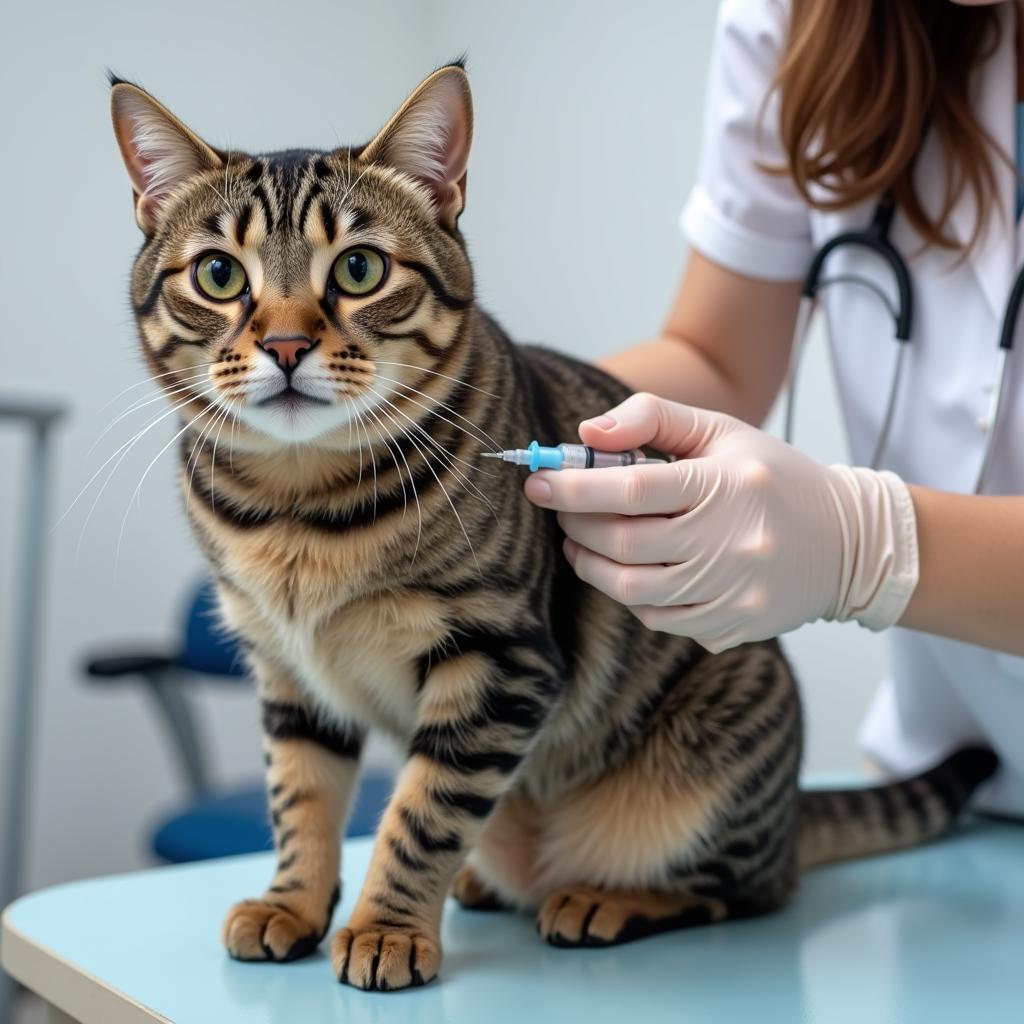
x,y
875,238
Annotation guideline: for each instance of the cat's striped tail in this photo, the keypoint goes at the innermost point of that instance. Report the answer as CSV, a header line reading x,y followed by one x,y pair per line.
x,y
838,824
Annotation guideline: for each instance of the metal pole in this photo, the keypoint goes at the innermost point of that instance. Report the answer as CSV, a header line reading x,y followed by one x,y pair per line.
x,y
24,664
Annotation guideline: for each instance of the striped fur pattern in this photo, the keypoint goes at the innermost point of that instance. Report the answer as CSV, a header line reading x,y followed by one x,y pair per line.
x,y
561,757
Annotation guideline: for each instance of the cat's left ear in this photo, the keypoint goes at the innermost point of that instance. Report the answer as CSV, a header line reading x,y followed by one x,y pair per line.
x,y
429,139
159,152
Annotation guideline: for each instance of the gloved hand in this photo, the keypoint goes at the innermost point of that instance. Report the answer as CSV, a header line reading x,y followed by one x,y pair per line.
x,y
742,538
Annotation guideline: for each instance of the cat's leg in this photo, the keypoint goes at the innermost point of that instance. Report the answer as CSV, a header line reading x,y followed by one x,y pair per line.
x,y
474,728
500,870
696,825
587,916
312,766
473,893
584,915
581,915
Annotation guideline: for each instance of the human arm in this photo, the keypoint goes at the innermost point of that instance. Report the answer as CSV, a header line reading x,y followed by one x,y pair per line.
x,y
725,344
971,584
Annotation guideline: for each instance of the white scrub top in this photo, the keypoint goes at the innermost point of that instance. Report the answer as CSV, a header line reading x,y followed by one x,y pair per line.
x,y
940,693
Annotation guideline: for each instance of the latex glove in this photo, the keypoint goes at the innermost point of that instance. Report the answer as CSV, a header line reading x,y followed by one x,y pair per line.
x,y
742,539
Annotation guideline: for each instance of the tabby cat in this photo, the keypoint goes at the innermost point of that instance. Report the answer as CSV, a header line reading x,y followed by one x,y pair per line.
x,y
312,314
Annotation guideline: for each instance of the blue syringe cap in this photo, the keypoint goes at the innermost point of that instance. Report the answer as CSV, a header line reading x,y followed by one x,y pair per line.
x,y
543,458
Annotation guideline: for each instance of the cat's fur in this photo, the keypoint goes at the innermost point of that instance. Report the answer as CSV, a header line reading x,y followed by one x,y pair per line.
x,y
561,757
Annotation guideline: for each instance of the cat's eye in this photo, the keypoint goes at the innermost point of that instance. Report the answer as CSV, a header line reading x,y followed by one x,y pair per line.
x,y
220,276
359,271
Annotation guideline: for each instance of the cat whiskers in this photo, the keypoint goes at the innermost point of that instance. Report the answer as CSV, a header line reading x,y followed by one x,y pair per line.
x,y
123,451
228,411
127,444
387,440
191,462
204,433
348,191
152,377
484,438
427,463
354,421
359,443
231,443
373,463
228,182
186,384
219,417
370,450
142,479
446,461
436,444
220,195
435,373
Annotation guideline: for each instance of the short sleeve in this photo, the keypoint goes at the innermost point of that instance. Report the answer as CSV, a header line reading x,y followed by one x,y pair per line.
x,y
739,214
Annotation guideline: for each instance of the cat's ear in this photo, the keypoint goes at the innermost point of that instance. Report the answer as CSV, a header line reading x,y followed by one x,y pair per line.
x,y
159,151
429,139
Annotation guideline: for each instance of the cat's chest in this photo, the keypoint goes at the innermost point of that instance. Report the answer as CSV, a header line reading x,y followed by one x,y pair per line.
x,y
297,573
361,660
354,647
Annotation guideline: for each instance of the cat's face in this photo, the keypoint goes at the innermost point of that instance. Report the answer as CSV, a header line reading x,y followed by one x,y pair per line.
x,y
301,293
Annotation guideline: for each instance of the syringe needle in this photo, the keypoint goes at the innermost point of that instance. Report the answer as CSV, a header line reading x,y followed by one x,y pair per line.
x,y
490,455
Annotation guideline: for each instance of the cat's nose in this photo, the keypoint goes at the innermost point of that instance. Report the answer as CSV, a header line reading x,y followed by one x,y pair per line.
x,y
287,351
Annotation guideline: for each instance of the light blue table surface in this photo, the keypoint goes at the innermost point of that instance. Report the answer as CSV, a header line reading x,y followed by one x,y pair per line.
x,y
934,935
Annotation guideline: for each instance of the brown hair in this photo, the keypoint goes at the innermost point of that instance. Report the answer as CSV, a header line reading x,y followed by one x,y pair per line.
x,y
860,80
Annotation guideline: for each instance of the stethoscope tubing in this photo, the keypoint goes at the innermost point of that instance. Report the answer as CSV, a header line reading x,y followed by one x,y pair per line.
x,y
875,239
800,333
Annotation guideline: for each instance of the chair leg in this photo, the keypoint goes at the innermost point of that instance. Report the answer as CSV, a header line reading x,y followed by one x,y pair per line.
x,y
165,687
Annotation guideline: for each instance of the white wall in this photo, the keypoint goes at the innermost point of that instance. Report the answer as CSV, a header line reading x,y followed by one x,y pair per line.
x,y
587,123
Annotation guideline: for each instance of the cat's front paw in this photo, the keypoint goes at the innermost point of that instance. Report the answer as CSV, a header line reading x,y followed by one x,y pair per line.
x,y
257,930
385,958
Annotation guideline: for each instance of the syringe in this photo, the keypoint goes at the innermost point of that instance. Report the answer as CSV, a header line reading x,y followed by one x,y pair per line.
x,y
569,456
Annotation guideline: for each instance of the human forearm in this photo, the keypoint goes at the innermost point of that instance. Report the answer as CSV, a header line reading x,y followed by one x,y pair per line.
x,y
971,584
674,368
725,344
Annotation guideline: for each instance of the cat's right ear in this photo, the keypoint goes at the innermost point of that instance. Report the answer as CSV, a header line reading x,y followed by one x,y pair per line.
x,y
429,139
159,151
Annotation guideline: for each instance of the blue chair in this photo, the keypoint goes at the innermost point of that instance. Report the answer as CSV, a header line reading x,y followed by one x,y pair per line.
x,y
212,823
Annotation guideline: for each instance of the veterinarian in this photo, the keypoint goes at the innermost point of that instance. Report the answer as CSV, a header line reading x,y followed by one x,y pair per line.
x,y
825,117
